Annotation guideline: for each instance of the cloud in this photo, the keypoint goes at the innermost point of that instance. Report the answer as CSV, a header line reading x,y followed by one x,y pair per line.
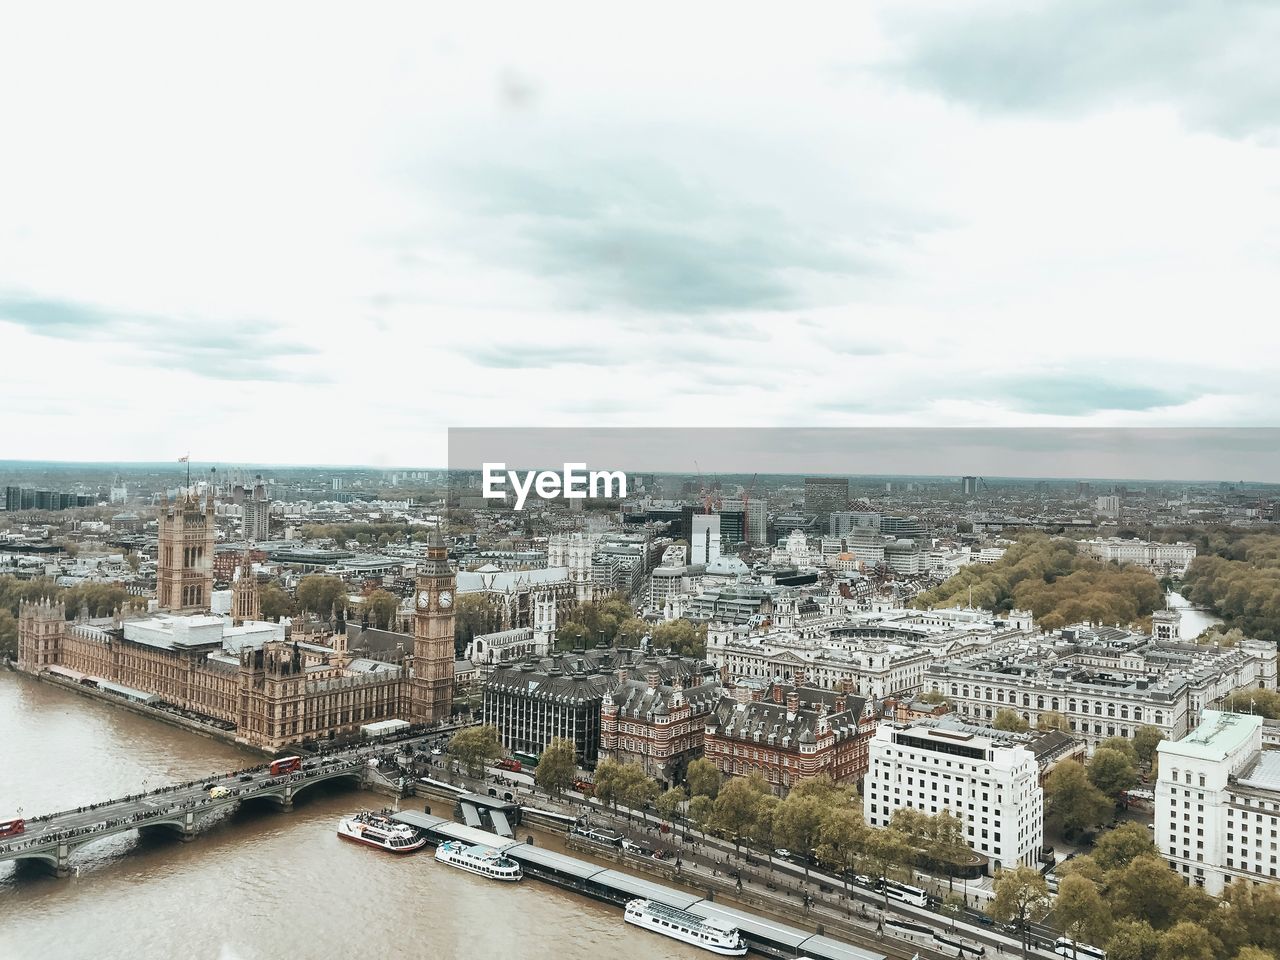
x,y
1215,63
1070,396
645,236
218,351
536,356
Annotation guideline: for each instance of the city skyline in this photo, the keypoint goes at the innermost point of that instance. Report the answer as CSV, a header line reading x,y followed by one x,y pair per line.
x,y
854,218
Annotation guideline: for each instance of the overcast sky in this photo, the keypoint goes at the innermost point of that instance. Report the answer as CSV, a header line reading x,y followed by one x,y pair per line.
x,y
298,233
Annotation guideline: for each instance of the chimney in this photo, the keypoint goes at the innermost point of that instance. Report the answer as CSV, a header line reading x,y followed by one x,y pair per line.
x,y
653,678
793,704
841,703
777,693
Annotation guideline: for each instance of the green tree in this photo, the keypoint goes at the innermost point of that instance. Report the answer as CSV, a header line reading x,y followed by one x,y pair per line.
x,y
133,561
885,854
1008,719
382,607
1146,889
701,811
1122,745
556,767
736,807
1133,940
1111,772
610,782
1121,846
1264,703
797,825
473,747
8,635
841,837
275,601
1080,911
1072,799
324,596
1052,720
1250,952
1145,741
703,778
1187,941
1020,895
636,790
630,632
669,803
681,637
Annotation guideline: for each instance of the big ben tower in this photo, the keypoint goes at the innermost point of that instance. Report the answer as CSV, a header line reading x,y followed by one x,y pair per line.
x,y
431,690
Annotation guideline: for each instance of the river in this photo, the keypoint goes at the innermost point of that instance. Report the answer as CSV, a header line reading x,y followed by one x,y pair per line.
x,y
1194,620
261,885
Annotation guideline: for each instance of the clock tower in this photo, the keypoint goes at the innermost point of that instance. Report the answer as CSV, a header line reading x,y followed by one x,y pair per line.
x,y
431,689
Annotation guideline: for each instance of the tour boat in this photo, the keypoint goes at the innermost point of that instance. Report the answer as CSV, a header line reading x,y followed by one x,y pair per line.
x,y
378,831
478,858
686,927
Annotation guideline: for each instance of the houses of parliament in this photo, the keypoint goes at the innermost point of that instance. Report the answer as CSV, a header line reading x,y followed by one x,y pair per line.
x,y
240,672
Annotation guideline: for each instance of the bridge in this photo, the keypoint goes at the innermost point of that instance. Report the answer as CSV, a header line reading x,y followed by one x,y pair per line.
x,y
181,809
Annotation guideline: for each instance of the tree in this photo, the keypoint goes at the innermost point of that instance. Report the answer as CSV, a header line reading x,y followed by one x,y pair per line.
x,y
1187,941
1250,952
948,844
1121,846
1111,772
1145,741
382,607
703,778
275,601
1146,889
636,789
1133,940
1008,719
1020,894
736,806
885,854
841,835
1073,801
1080,911
681,637
556,767
1122,745
669,803
1265,703
321,595
1254,911
1052,720
701,810
630,632
474,746
932,696
8,635
797,824
133,561
609,782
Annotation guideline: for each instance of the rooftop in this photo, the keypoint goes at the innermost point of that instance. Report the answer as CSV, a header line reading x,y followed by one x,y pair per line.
x,y
1218,736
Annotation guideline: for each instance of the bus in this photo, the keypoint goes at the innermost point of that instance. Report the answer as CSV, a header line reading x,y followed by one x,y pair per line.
x,y
285,765
904,892
11,828
528,759
508,763
1066,947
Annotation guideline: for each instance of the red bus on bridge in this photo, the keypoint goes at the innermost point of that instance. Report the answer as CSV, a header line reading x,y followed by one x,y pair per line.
x,y
285,765
11,828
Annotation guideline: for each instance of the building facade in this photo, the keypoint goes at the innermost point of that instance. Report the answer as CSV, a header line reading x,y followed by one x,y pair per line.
x,y
658,726
184,558
993,788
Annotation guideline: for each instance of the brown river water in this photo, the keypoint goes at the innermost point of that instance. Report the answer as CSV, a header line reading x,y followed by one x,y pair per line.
x,y
260,885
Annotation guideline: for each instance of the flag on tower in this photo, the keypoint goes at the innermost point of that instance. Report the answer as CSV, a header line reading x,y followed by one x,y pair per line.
x,y
184,459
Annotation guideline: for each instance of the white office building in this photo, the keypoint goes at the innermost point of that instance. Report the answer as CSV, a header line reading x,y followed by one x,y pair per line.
x,y
991,786
1162,559
704,540
1218,803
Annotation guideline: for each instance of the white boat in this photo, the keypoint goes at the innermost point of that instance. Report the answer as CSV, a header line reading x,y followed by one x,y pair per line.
x,y
686,927
377,831
477,858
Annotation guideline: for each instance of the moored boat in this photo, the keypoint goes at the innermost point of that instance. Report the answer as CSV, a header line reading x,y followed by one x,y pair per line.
x,y
378,831
477,858
686,927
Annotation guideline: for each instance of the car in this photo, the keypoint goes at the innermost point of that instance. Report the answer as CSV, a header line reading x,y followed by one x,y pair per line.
x,y
246,777
217,793
437,752
782,853
210,785
863,880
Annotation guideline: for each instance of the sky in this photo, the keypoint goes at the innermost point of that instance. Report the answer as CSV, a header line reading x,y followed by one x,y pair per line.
x,y
301,233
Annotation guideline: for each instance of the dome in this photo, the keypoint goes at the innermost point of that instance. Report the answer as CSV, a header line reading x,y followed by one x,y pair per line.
x,y
727,566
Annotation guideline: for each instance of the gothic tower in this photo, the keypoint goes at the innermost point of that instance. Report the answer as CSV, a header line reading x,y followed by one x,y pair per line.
x,y
431,690
41,625
246,603
184,578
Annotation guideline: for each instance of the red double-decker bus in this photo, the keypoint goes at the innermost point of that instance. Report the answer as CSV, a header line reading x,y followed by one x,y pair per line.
x,y
11,828
285,765
506,763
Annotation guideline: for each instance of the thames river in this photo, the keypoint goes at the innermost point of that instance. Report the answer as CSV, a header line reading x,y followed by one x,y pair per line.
x,y
264,884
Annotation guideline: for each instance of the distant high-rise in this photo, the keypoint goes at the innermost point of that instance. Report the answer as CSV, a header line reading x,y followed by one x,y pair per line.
x,y
757,521
968,486
184,574
824,496
704,539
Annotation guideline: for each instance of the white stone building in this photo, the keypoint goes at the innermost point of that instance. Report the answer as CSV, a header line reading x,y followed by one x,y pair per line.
x,y
991,786
1162,559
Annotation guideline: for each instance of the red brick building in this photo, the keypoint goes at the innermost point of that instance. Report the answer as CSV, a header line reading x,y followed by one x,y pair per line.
x,y
790,734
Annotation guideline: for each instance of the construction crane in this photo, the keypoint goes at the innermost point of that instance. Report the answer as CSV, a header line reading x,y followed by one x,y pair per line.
x,y
704,492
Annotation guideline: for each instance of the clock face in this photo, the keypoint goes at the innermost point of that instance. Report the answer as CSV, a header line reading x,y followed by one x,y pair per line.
x,y
446,598
424,598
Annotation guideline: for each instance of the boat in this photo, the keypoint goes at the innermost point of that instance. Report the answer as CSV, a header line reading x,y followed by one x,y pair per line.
x,y
686,927
477,858
378,831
